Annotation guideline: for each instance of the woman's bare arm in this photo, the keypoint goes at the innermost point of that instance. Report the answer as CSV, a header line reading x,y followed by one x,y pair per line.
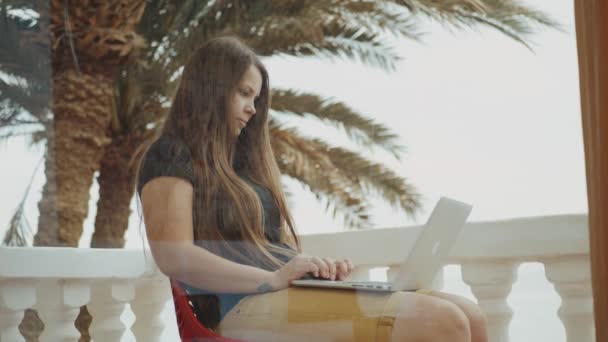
x,y
167,206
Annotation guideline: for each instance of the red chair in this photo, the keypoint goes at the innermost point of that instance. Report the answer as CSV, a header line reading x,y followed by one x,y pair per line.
x,y
189,327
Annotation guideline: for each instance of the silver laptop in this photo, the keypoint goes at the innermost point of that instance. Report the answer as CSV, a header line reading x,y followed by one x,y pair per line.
x,y
427,257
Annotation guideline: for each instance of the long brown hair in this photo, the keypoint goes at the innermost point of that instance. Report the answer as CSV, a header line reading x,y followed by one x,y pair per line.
x,y
227,213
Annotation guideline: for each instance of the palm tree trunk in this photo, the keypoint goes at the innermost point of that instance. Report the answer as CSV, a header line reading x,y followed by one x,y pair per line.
x,y
90,41
116,184
82,107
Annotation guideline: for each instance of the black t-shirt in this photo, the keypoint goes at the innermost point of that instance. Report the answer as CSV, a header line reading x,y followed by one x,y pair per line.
x,y
170,157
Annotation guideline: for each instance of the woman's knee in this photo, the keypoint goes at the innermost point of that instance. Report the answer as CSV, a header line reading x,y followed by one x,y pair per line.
x,y
427,318
477,320
452,322
476,317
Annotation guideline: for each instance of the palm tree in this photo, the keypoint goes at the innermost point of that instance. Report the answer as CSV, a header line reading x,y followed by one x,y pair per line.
x,y
89,43
24,56
314,28
351,29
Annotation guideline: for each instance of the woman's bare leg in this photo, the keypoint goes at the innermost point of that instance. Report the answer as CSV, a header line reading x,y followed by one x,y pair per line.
x,y
477,320
424,318
417,317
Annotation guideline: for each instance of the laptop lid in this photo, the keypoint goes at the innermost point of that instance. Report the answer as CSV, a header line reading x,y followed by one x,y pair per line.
x,y
433,245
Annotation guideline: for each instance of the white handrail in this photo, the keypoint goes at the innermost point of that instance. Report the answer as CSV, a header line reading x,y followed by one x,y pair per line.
x,y
57,281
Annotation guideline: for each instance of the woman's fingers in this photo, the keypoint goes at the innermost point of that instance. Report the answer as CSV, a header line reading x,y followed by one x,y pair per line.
x,y
322,268
341,270
295,269
327,268
312,266
350,265
332,268
344,268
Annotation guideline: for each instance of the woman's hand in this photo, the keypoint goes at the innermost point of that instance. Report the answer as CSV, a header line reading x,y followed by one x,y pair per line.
x,y
299,265
332,269
294,269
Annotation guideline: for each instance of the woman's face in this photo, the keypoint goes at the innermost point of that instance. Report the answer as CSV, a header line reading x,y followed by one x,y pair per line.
x,y
241,107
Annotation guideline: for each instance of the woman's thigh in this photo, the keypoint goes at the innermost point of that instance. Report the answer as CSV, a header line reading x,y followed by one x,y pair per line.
x,y
302,314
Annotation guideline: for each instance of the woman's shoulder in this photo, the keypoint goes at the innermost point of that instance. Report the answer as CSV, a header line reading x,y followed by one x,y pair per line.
x,y
166,156
168,148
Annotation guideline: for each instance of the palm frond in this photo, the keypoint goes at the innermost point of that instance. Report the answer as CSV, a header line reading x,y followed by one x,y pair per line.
x,y
185,24
19,231
374,178
324,29
319,36
516,22
371,178
9,111
508,17
16,121
33,98
353,46
142,98
379,19
24,48
363,131
297,158
25,81
149,115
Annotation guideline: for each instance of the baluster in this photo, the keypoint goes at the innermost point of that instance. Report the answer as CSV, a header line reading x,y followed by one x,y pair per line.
x,y
15,297
491,284
59,303
571,277
151,296
107,305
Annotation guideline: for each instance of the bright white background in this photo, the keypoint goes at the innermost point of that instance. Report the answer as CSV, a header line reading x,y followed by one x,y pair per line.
x,y
484,120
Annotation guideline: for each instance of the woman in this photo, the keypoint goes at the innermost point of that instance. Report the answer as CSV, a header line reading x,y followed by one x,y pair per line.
x,y
217,221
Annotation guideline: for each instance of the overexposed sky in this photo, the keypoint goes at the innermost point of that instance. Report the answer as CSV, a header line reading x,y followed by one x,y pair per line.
x,y
484,121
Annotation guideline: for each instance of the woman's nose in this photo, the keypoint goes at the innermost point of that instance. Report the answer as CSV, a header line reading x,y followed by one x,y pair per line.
x,y
250,109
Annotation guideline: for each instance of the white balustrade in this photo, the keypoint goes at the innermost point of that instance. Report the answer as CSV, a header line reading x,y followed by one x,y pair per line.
x,y
16,295
57,281
571,277
152,294
108,302
491,284
58,305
